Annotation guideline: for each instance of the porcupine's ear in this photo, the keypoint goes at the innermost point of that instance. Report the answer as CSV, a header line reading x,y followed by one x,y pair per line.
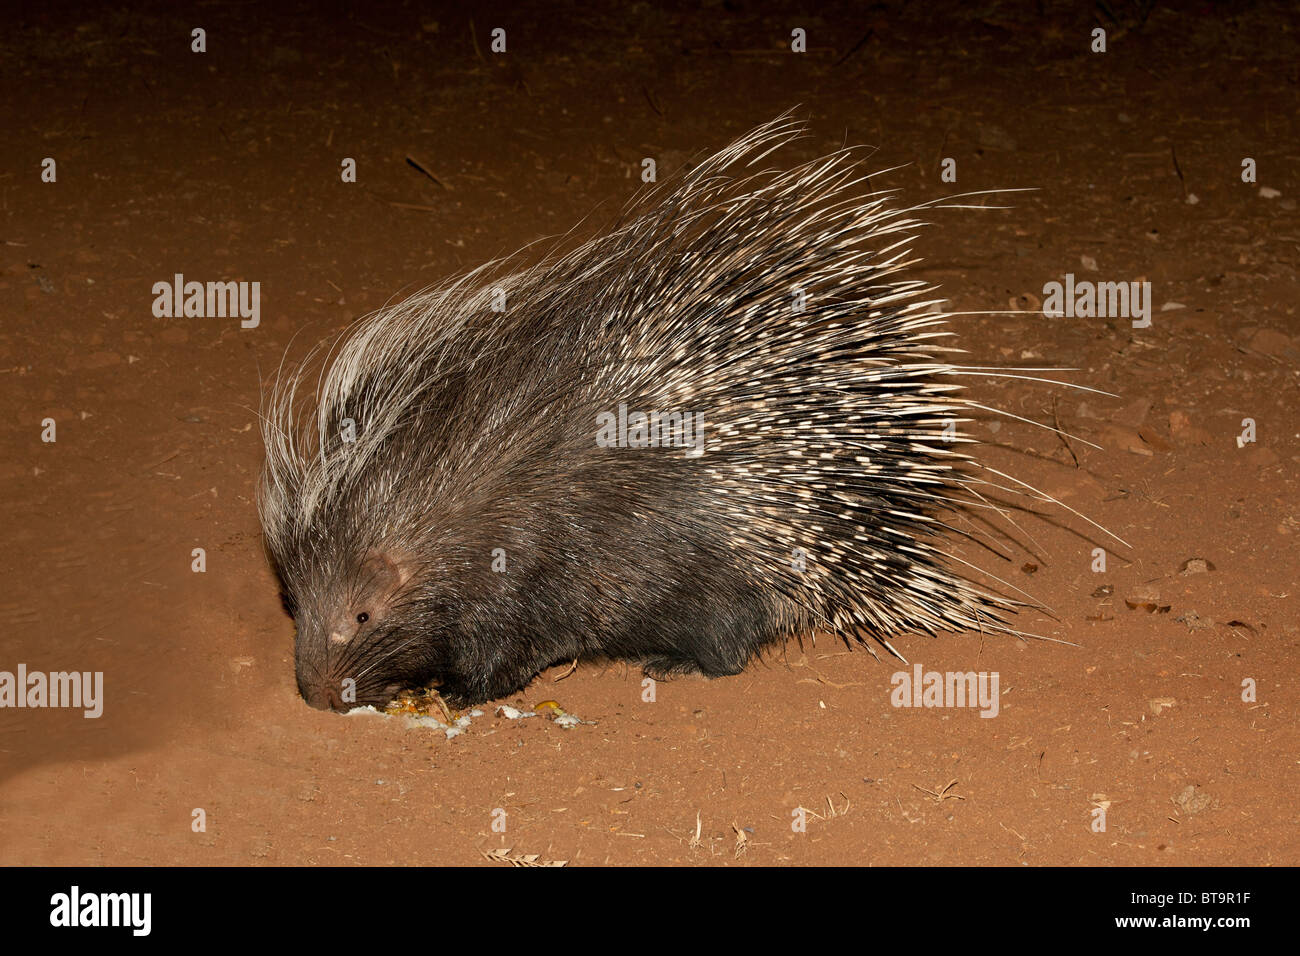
x,y
383,573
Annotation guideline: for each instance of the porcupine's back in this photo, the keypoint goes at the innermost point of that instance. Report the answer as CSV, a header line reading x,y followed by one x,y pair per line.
x,y
823,479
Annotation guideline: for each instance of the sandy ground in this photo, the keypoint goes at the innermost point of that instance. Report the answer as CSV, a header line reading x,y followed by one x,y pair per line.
x,y
1176,710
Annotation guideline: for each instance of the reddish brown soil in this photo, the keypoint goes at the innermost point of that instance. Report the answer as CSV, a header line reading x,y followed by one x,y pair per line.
x,y
225,166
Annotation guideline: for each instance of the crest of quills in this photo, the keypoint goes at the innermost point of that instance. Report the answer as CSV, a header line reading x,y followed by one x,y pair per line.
x,y
440,508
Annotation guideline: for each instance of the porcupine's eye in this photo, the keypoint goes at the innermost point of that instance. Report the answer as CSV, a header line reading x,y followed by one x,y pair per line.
x,y
363,617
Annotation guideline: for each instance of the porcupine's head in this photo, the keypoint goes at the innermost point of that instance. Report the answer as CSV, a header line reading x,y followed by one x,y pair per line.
x,y
440,437
350,626
348,501
350,596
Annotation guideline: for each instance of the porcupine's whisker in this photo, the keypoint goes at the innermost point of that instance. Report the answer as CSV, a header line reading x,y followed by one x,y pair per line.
x,y
369,668
380,660
354,649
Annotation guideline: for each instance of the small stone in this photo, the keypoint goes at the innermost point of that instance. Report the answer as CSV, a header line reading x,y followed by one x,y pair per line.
x,y
1191,800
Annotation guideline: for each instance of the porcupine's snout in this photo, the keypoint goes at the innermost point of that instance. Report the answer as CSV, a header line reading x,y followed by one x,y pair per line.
x,y
324,680
321,696
317,683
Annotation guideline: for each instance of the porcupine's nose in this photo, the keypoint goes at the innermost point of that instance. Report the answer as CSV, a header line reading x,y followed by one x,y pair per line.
x,y
323,698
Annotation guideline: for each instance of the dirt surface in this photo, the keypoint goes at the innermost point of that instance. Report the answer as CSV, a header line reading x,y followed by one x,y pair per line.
x,y
1175,711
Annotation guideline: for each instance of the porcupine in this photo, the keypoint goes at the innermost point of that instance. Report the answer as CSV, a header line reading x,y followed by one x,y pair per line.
x,y
445,512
